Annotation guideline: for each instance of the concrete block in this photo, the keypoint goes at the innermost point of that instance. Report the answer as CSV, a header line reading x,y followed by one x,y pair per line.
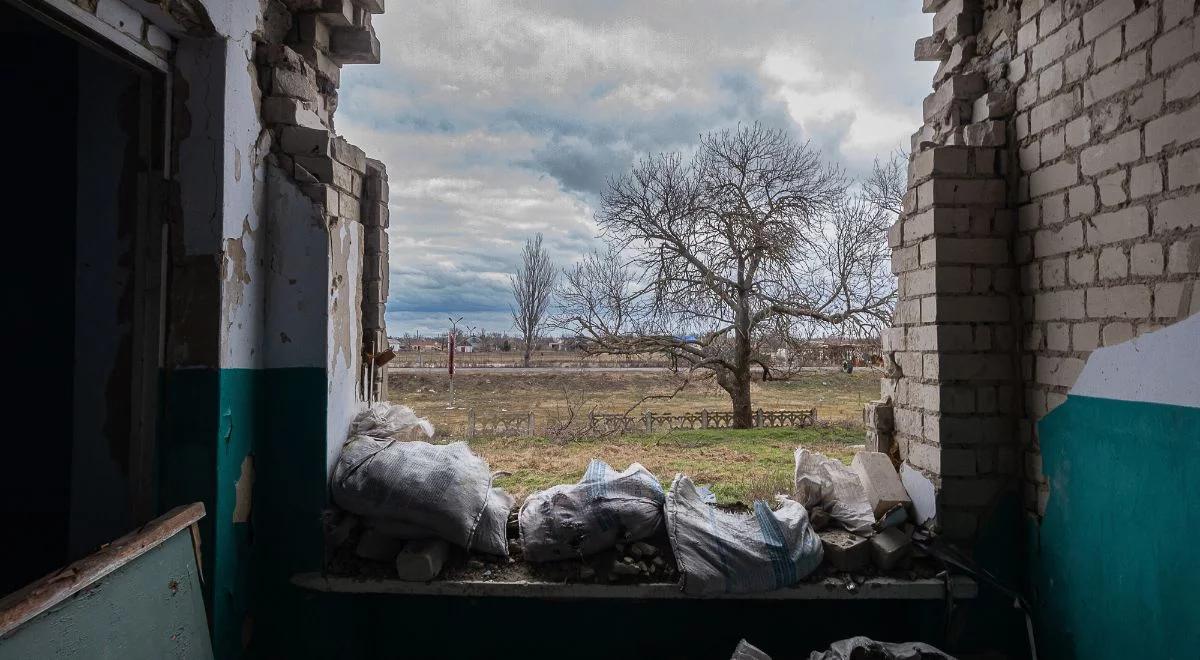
x,y
878,415
289,112
931,49
337,12
304,141
1124,148
354,45
922,492
349,155
312,30
422,560
993,105
890,548
375,546
984,134
295,84
880,482
328,170
845,551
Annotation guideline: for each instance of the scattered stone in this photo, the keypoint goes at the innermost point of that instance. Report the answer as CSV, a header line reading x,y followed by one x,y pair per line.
x,y
818,518
880,482
845,551
658,561
586,572
643,567
378,547
628,560
619,568
475,565
643,549
422,560
889,548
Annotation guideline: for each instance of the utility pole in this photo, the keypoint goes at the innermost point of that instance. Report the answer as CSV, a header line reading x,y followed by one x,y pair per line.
x,y
450,361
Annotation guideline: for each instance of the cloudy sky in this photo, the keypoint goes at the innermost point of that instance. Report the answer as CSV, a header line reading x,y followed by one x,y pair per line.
x,y
498,120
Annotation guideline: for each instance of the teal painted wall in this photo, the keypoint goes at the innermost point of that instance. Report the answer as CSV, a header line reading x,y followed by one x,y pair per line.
x,y
149,608
214,420
1112,566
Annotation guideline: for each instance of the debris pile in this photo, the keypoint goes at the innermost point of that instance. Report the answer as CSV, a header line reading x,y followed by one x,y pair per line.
x,y
411,490
414,510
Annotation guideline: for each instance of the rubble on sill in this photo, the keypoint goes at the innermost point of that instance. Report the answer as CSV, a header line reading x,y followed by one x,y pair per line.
x,y
601,576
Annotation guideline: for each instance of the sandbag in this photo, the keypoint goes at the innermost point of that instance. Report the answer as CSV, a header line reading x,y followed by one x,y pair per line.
x,y
604,508
863,648
826,482
445,489
722,552
388,420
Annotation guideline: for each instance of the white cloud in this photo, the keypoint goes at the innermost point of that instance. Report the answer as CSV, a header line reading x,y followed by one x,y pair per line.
x,y
499,120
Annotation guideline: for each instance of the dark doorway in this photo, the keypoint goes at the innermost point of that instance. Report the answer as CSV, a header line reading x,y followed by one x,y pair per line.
x,y
84,267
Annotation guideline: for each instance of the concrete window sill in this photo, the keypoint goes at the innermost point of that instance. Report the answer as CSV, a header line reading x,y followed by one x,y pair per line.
x,y
875,588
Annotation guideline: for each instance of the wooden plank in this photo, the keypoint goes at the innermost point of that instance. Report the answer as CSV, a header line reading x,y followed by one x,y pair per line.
x,y
30,601
151,607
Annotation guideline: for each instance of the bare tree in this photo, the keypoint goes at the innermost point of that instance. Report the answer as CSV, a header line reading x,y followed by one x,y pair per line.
x,y
884,188
703,255
532,287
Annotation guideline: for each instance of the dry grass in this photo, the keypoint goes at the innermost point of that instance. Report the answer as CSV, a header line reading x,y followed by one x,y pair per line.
x,y
741,466
836,396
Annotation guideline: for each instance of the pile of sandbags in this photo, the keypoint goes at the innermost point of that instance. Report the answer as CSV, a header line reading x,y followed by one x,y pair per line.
x,y
417,490
723,552
606,507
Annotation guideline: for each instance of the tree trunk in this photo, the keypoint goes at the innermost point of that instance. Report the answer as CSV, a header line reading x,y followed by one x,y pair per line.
x,y
743,416
528,351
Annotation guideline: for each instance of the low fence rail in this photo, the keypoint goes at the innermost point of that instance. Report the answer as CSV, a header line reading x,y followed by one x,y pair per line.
x,y
524,424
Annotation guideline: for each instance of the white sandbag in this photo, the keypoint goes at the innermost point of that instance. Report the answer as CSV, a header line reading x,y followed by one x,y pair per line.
x,y
826,482
387,420
722,552
865,647
604,508
445,489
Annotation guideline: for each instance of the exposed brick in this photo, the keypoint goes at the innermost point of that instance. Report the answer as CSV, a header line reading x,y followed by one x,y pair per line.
x,y
1178,213
1115,333
1184,256
1107,48
1116,78
1085,336
1176,12
1054,46
1140,28
1105,15
1048,242
1055,110
1058,371
1114,265
1112,188
1081,199
1147,101
1059,305
1106,228
1172,47
1145,180
1175,129
1124,148
1184,169
1082,268
1168,299
1130,302
1183,82
1048,179
1146,259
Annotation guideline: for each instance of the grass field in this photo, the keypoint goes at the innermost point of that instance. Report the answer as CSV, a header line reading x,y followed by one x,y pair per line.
x,y
740,464
551,395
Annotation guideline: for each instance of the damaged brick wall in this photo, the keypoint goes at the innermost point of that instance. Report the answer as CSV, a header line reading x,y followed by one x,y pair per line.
x,y
1053,207
299,66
